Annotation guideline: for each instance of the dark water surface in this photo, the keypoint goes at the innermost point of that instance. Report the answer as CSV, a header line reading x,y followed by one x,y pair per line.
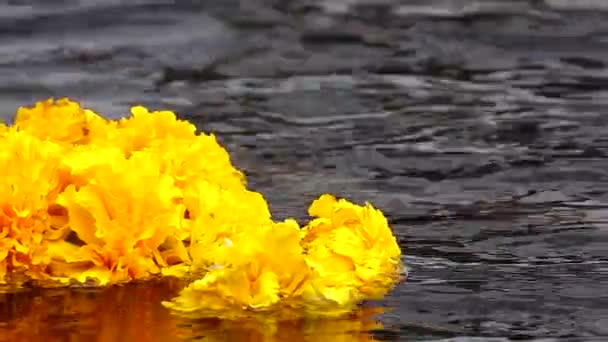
x,y
479,127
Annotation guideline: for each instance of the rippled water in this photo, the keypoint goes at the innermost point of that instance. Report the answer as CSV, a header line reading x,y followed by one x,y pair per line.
x,y
477,126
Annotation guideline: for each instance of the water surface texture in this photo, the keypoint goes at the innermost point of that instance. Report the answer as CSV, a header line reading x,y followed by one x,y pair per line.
x,y
479,127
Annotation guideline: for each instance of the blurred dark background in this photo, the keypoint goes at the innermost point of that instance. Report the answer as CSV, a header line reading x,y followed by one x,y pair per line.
x,y
476,126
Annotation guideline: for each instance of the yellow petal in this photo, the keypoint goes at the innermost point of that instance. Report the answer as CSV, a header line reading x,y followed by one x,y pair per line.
x,y
322,207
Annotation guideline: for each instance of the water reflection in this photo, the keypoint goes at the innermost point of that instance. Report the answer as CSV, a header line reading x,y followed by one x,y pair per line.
x,y
134,313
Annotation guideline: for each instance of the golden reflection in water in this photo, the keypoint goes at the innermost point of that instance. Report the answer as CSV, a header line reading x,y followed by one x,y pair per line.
x,y
134,313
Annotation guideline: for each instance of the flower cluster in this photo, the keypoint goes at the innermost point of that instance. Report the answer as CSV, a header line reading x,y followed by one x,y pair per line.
x,y
85,200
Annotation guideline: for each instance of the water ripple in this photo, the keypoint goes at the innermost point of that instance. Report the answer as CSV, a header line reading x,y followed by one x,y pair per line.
x,y
477,126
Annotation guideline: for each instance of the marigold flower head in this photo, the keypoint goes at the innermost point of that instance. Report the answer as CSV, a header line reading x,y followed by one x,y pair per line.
x,y
62,121
120,218
30,182
255,271
144,129
352,251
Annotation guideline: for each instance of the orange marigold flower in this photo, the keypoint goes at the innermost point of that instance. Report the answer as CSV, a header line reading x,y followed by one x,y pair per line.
x,y
30,182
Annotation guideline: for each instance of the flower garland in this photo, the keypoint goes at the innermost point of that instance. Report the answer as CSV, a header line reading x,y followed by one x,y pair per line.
x,y
90,201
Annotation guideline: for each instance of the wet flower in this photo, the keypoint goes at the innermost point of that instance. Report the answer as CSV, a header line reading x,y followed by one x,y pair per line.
x,y
118,220
30,182
132,313
219,216
105,202
261,270
352,253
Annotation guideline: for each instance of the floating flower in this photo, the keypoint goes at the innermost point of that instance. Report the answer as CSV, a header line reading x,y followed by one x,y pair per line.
x,y
352,253
102,202
118,219
30,181
257,271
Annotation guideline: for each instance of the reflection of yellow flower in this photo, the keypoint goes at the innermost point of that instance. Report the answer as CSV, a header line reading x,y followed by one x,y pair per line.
x,y
356,326
133,313
119,313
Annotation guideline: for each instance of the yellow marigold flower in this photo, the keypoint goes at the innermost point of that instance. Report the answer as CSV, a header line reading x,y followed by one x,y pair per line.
x,y
256,271
30,181
233,206
351,251
184,154
86,199
85,161
188,160
214,215
61,121
144,128
204,198
120,218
